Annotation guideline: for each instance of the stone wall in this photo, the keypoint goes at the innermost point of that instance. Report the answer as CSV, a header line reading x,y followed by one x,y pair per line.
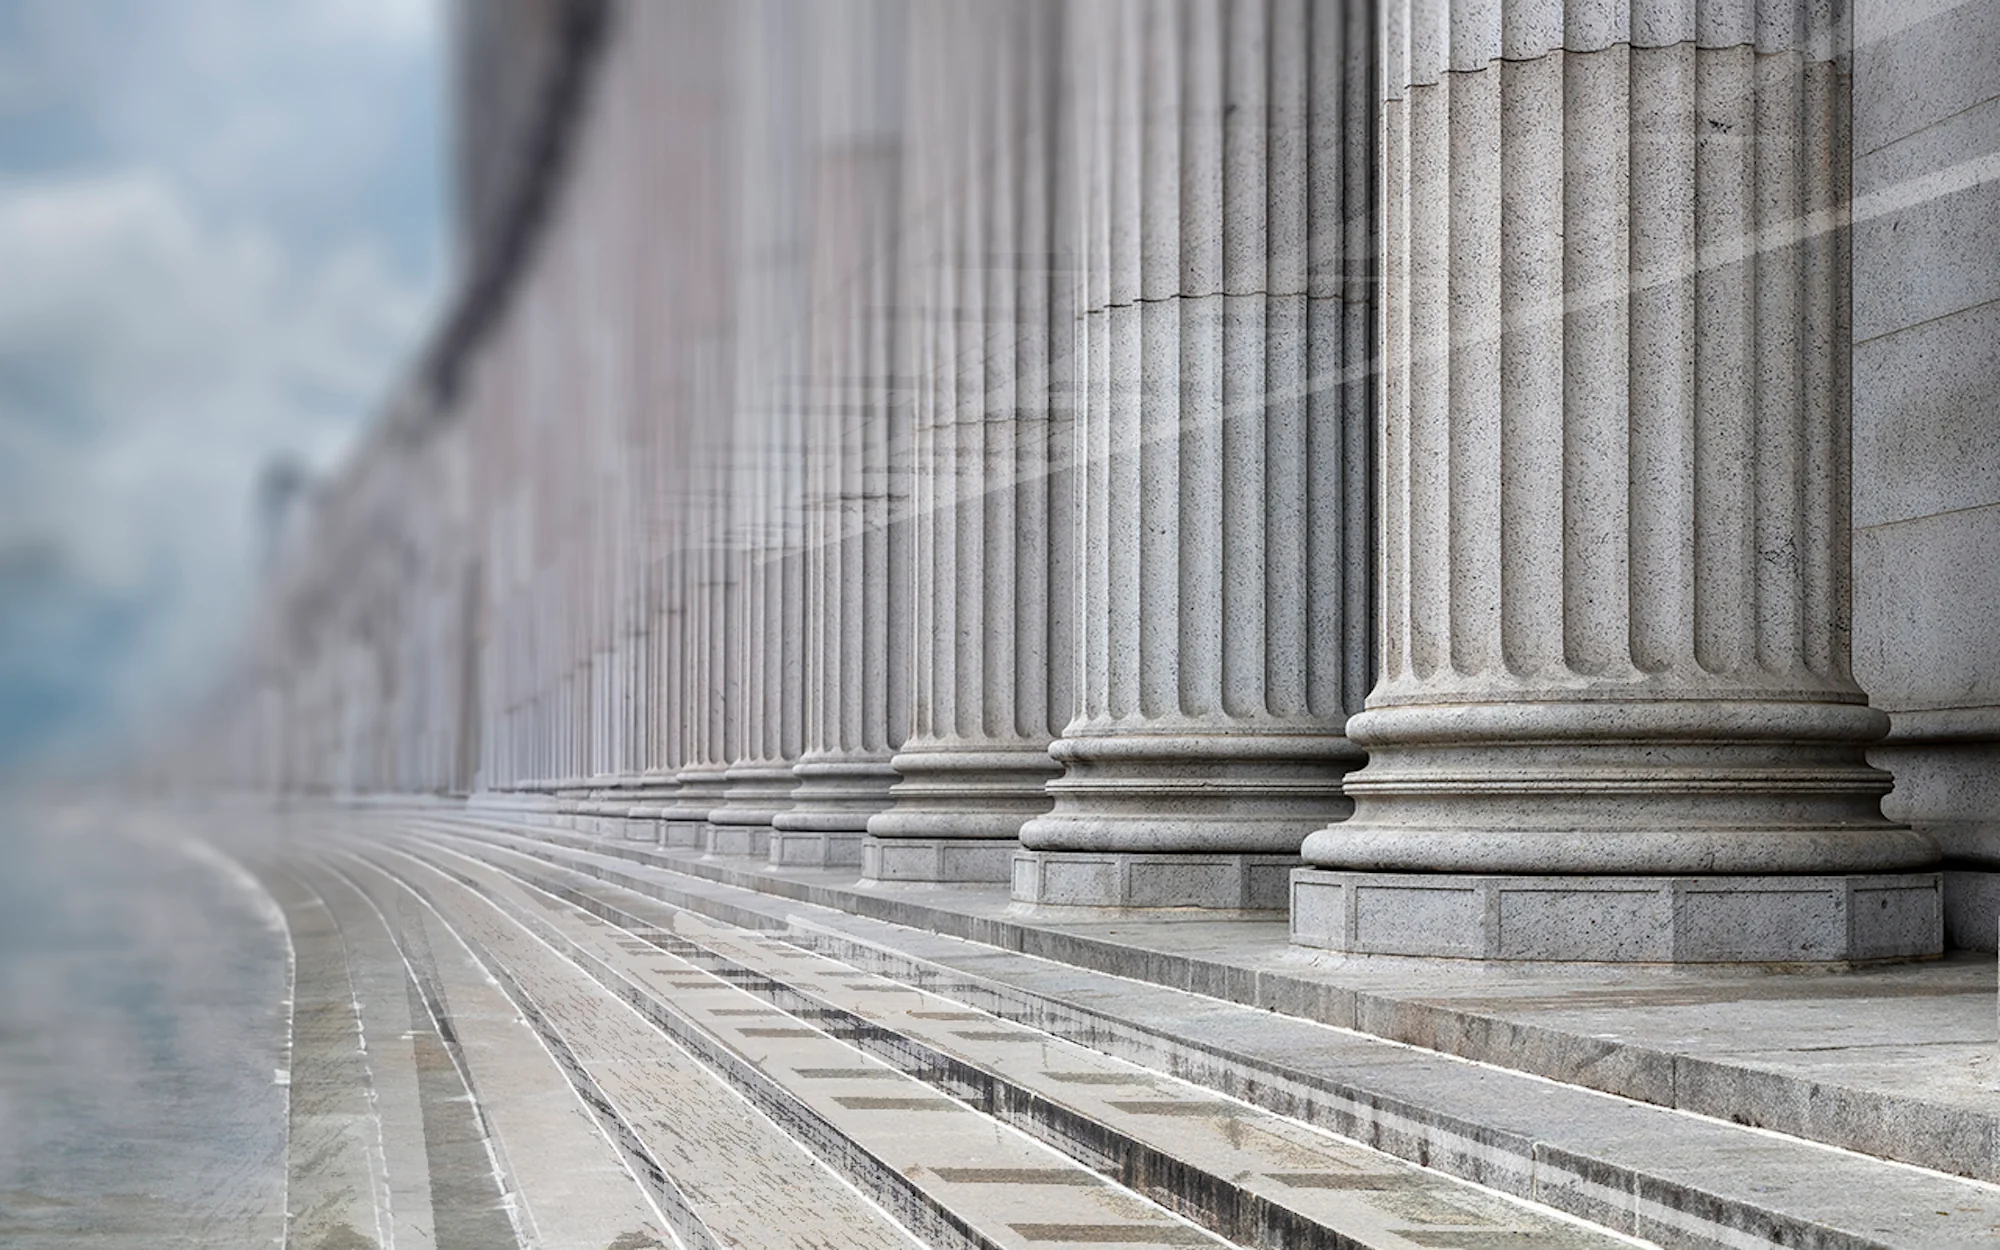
x,y
1926,416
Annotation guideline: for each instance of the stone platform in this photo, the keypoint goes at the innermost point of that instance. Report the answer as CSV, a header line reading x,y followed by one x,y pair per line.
x,y
1852,919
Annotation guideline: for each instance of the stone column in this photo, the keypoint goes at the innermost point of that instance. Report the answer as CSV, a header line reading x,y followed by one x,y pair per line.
x,y
772,325
707,686
684,315
857,541
700,783
571,701
604,383
994,600
660,706
1224,440
1615,492
698,250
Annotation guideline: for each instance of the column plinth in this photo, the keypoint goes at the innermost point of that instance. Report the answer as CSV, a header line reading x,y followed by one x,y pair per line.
x,y
1187,819
597,812
753,794
652,798
571,795
836,796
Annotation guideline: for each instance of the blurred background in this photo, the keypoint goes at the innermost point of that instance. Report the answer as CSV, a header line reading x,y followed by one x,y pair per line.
x,y
222,232
222,236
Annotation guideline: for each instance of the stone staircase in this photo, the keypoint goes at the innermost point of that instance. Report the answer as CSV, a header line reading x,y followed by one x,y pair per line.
x,y
984,1096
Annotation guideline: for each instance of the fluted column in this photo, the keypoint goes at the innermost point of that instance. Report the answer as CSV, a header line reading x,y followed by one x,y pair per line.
x,y
1223,492
604,384
695,236
710,684
768,458
857,538
994,367
1614,478
707,687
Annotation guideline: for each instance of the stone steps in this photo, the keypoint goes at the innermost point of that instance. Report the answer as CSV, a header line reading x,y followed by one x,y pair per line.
x,y
1254,1177
1666,1176
721,1174
1918,1113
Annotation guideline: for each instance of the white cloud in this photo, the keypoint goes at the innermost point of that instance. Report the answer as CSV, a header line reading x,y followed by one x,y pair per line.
x,y
220,236
150,363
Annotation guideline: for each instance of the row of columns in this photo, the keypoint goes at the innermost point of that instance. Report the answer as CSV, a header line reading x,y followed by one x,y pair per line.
x,y
1101,446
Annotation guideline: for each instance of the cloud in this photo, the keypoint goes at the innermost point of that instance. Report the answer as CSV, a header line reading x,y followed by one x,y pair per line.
x,y
219,230
150,364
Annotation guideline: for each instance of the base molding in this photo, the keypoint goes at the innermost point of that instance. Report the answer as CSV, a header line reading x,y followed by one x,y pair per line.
x,y
1227,882
1834,919
989,860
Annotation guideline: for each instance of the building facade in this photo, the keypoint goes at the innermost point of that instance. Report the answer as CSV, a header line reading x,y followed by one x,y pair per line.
x,y
1497,478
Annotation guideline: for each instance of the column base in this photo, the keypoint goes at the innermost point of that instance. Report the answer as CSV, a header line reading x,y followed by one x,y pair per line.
x,y
645,820
1620,787
953,791
1216,794
701,792
814,848
1835,919
1136,879
570,798
837,794
988,860
537,806
753,794
602,814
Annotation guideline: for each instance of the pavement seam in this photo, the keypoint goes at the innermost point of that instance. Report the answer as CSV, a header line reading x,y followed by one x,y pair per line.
x,y
675,1209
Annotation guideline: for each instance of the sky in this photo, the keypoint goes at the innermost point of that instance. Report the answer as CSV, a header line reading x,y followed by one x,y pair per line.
x,y
222,236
